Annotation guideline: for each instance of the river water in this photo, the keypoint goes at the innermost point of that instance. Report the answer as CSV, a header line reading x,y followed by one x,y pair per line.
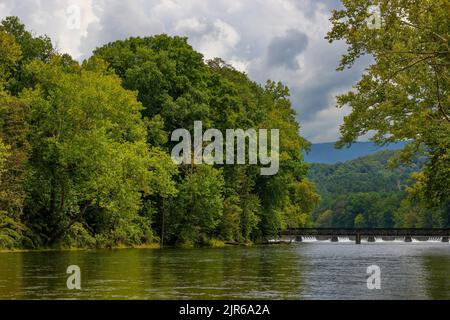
x,y
291,271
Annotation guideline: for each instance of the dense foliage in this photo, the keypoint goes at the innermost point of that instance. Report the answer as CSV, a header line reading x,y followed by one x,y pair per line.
x,y
85,151
404,94
367,192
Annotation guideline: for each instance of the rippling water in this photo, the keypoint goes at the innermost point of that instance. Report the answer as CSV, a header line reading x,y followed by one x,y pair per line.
x,y
295,271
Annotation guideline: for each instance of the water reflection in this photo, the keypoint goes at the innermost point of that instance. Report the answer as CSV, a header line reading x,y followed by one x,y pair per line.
x,y
438,276
297,271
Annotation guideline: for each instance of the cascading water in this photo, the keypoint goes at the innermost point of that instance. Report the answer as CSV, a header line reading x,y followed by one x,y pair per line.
x,y
434,239
379,239
309,239
344,239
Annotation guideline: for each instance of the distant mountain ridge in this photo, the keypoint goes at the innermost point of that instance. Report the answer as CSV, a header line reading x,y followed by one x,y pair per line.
x,y
327,153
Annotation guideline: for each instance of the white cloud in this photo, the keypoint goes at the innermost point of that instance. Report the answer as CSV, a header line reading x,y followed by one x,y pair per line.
x,y
212,38
51,18
190,25
323,124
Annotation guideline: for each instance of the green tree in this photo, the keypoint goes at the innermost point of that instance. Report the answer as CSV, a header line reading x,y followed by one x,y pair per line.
x,y
14,153
168,75
3,155
13,171
10,52
197,210
229,227
360,221
404,94
31,48
90,160
415,210
324,219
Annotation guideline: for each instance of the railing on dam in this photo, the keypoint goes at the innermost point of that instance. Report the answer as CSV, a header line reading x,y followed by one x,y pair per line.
x,y
370,233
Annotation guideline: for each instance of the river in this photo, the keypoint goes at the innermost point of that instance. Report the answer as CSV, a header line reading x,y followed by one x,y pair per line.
x,y
289,271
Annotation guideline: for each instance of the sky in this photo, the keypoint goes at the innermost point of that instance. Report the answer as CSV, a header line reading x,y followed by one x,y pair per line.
x,y
281,40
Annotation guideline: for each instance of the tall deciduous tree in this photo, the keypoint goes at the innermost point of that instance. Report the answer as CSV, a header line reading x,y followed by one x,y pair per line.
x,y
31,48
14,148
197,210
89,152
404,94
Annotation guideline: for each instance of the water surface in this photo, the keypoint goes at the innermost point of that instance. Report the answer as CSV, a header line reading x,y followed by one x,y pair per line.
x,y
295,271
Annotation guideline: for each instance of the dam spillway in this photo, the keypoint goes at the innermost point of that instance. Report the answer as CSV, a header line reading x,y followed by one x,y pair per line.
x,y
360,235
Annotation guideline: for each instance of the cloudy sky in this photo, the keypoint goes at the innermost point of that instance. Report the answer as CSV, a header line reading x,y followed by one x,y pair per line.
x,y
282,40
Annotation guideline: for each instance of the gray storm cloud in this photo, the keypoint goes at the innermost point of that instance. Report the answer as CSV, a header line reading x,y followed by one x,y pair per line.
x,y
283,51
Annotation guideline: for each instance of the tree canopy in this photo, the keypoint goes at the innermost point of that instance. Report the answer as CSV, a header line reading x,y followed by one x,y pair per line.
x,y
85,151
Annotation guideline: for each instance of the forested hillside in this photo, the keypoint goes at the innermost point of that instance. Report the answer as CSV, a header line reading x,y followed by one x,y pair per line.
x,y
368,192
85,151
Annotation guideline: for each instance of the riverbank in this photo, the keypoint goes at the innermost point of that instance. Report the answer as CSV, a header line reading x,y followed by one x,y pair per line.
x,y
118,247
156,245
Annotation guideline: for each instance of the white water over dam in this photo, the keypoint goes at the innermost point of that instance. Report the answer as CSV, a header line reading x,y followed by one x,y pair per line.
x,y
350,239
